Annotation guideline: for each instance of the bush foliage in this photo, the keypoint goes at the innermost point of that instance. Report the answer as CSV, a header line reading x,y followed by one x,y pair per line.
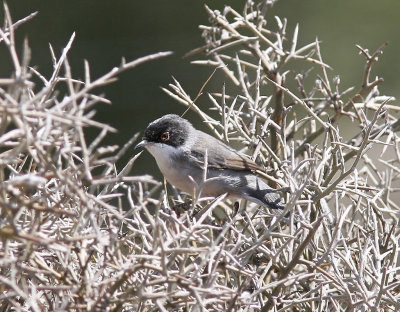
x,y
79,235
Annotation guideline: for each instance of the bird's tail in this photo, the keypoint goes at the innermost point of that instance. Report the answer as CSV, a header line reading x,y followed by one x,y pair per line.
x,y
262,193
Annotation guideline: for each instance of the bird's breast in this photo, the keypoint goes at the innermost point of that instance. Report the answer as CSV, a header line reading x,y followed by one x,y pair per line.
x,y
176,172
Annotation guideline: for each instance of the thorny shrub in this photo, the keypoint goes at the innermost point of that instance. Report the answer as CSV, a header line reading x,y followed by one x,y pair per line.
x,y
71,240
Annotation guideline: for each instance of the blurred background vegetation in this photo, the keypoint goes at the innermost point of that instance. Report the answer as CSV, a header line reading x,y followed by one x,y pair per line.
x,y
109,30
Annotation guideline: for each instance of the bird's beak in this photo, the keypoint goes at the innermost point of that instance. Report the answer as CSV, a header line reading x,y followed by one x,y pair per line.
x,y
142,143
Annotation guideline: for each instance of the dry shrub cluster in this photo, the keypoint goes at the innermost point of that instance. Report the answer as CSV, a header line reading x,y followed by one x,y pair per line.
x,y
73,240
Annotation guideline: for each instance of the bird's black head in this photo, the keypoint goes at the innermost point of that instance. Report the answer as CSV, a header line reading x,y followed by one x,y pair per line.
x,y
169,129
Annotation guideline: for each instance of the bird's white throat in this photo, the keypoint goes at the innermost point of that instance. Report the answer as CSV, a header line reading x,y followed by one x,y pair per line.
x,y
164,155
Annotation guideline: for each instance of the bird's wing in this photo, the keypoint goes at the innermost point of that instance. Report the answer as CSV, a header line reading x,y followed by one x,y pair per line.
x,y
220,156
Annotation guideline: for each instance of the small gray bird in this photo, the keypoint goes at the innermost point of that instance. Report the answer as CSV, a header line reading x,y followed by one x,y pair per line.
x,y
180,151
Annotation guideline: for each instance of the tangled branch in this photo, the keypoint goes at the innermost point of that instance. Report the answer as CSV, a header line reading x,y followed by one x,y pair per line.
x,y
76,234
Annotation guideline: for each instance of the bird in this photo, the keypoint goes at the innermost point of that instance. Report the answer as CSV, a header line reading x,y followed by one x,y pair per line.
x,y
182,153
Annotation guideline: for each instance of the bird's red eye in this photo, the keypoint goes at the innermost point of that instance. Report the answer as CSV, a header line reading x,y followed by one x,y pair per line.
x,y
165,137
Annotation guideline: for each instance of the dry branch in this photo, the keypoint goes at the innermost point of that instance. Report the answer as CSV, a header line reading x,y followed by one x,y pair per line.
x,y
72,239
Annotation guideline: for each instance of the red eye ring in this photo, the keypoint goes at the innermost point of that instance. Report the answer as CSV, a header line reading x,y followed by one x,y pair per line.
x,y
165,137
